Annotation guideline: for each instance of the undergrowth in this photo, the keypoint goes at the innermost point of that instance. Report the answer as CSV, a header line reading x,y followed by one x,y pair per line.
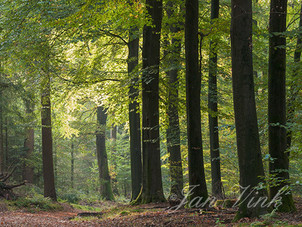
x,y
36,203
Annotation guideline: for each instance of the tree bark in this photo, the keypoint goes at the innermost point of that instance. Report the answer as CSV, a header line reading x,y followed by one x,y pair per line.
x,y
279,167
193,87
134,116
213,112
55,157
105,181
113,133
152,190
173,131
72,164
48,171
248,143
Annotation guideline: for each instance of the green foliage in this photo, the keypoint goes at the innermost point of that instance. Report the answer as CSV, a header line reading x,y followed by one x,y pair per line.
x,y
70,197
82,46
86,208
36,203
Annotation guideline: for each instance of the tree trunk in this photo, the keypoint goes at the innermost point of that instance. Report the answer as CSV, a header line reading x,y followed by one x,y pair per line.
x,y
277,103
294,90
152,179
55,156
134,116
72,164
113,133
29,144
248,143
48,171
173,131
212,106
105,182
193,87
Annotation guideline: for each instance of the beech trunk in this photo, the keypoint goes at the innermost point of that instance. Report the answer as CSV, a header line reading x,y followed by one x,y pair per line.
x,y
134,116
213,112
48,170
193,87
173,131
248,143
105,181
278,168
152,190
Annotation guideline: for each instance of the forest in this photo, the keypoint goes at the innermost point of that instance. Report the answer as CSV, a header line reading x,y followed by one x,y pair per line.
x,y
150,113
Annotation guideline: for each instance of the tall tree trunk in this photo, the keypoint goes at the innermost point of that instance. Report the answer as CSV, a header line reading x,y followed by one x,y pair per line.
x,y
105,182
134,116
29,144
212,106
48,171
152,179
248,143
294,89
55,156
193,87
173,131
277,103
113,133
72,164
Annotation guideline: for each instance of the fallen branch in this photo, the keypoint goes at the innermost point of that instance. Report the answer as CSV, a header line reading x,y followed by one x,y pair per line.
x,y
7,176
4,186
90,214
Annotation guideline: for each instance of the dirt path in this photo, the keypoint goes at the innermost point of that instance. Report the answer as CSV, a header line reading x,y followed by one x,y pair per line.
x,y
158,218
144,215
13,218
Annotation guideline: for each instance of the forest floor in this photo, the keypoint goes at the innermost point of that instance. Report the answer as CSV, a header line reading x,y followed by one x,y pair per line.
x,y
114,214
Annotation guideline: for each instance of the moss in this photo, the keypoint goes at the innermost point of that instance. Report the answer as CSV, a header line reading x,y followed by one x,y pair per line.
x,y
125,213
287,204
37,203
86,208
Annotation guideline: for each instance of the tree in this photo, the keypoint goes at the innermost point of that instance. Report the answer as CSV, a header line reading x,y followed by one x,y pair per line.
x,y
72,163
193,87
152,190
173,131
47,157
213,112
134,115
279,165
113,133
248,144
105,182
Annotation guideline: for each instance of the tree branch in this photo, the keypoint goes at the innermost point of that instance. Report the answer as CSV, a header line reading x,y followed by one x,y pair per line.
x,y
9,175
114,35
